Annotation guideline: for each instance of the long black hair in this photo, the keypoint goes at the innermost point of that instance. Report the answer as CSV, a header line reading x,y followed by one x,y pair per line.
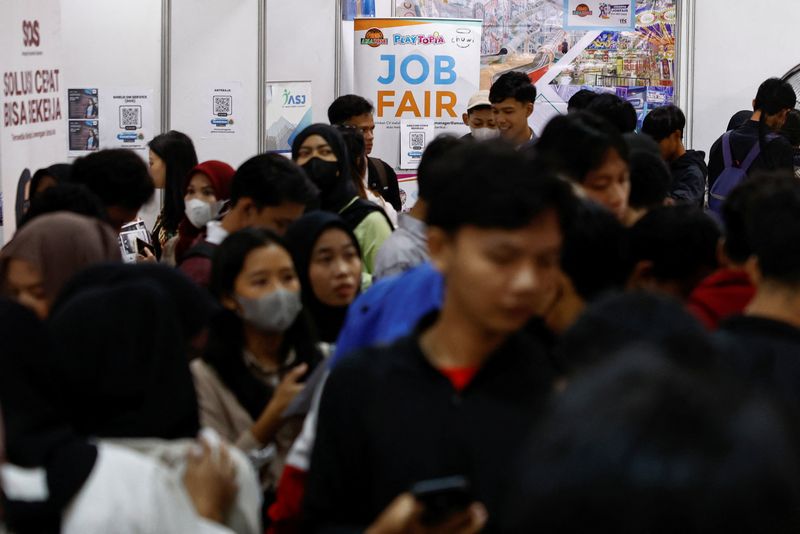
x,y
177,151
774,95
226,336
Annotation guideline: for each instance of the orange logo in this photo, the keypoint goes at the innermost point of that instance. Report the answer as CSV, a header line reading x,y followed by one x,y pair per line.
x,y
582,10
374,38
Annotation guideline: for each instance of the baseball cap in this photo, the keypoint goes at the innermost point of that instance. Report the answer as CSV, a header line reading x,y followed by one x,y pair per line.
x,y
481,98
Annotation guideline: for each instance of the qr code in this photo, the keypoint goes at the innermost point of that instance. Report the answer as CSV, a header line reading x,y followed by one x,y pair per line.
x,y
417,140
130,117
223,106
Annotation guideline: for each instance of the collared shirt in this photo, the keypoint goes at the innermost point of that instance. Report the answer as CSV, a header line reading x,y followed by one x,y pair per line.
x,y
215,233
406,248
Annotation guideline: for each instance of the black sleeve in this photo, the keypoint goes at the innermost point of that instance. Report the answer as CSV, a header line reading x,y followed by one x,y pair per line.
x,y
715,163
393,195
336,497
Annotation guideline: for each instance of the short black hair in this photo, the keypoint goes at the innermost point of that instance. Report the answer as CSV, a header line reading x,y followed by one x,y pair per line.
x,y
596,254
617,111
577,143
177,151
347,106
642,444
680,241
438,150
272,180
773,230
117,176
74,198
791,129
651,180
775,95
472,194
580,100
514,85
663,122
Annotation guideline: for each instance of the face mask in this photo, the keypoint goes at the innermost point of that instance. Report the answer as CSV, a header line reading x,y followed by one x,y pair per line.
x,y
324,174
201,213
274,312
485,134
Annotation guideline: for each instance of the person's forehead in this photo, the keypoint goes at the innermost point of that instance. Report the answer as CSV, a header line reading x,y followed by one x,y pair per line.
x,y
315,141
365,119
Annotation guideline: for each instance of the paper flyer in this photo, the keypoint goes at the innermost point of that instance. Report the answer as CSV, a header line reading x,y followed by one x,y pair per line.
x,y
599,14
83,108
414,138
127,239
127,118
224,101
409,191
288,113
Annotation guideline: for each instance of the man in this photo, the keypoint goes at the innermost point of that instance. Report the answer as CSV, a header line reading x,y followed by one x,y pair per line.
x,y
512,97
120,179
688,167
765,341
407,247
268,191
774,100
356,111
615,110
480,118
458,395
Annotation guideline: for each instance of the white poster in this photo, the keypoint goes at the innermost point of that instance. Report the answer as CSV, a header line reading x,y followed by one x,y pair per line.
x,y
599,14
126,118
33,132
413,69
414,138
83,121
288,113
223,102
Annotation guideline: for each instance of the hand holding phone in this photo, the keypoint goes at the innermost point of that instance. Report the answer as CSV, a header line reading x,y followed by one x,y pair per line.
x,y
142,246
442,498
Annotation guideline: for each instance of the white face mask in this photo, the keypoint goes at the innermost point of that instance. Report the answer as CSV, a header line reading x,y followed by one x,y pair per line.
x,y
485,134
201,213
274,312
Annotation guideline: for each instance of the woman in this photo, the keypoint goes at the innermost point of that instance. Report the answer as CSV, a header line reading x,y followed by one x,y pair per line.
x,y
206,190
328,262
259,349
321,151
172,156
357,152
48,251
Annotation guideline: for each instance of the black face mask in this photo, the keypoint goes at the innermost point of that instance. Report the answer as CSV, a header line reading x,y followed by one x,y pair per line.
x,y
324,174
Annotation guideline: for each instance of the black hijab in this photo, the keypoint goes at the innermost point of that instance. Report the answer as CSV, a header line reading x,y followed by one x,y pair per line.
x,y
344,193
36,437
301,237
121,341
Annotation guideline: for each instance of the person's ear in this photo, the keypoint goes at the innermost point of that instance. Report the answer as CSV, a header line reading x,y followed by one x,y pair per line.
x,y
754,104
465,118
528,109
247,209
753,270
642,276
229,303
440,247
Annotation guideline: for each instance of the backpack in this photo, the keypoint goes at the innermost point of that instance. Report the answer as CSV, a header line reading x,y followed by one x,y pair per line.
x,y
732,174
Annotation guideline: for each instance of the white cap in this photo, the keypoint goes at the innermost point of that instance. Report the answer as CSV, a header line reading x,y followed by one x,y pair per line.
x,y
481,98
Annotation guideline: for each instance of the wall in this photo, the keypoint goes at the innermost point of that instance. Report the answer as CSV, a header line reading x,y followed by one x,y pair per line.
x,y
738,45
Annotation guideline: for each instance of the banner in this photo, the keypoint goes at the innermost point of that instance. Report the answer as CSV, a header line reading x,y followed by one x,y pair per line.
x,y
599,14
33,132
288,113
416,69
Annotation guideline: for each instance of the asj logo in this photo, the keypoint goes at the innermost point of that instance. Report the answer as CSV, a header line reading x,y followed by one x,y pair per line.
x,y
582,10
374,38
30,33
290,100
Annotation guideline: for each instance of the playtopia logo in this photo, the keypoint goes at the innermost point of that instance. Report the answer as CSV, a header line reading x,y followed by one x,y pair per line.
x,y
374,38
582,11
435,39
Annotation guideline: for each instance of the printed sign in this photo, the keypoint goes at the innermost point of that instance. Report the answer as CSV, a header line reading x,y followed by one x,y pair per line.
x,y
599,14
288,113
414,138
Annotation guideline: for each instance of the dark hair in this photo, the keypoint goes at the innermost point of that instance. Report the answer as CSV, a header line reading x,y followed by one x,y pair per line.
x,y
356,150
580,100
774,95
791,129
596,253
74,198
739,119
577,143
622,320
651,180
773,230
226,336
644,445
618,112
60,173
177,151
680,241
663,122
117,176
272,180
472,195
347,106
514,85
438,149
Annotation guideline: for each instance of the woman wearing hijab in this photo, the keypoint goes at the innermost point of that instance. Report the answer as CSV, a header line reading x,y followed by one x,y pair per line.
x,y
327,257
171,157
259,349
84,485
48,251
321,151
206,191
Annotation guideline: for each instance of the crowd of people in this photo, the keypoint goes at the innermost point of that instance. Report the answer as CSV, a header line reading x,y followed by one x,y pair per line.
x,y
588,329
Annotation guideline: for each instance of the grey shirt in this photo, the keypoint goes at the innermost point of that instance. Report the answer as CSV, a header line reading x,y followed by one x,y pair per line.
x,y
406,248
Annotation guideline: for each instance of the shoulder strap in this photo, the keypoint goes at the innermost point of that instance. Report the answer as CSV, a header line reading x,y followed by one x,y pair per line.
x,y
751,156
383,178
727,154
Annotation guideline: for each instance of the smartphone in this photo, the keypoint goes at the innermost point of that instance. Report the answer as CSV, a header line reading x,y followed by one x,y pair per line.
x,y
142,245
442,497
